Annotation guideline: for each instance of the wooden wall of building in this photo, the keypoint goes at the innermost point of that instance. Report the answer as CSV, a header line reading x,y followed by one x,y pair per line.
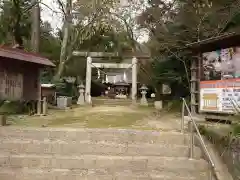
x,y
18,80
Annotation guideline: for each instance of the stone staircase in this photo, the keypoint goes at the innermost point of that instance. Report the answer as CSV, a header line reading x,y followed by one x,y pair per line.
x,y
97,154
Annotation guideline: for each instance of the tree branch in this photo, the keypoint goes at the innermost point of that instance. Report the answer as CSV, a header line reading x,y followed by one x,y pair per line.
x,y
50,8
61,5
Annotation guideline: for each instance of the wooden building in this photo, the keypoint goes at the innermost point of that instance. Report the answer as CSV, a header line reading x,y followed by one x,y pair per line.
x,y
20,74
215,75
49,91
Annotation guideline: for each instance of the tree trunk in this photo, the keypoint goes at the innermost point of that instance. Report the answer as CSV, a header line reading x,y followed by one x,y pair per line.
x,y
66,36
35,37
59,70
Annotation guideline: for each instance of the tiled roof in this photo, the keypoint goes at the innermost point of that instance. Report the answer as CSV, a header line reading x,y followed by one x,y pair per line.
x,y
19,54
215,43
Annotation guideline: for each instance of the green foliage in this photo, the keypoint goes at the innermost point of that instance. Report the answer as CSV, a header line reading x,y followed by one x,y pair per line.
x,y
15,21
173,24
233,23
50,45
103,39
166,73
235,130
226,142
64,88
103,33
13,107
60,87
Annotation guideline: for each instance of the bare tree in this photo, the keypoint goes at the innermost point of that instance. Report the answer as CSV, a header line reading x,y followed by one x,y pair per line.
x,y
86,15
66,35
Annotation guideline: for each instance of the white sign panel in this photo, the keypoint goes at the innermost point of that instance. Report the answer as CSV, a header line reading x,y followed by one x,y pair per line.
x,y
220,96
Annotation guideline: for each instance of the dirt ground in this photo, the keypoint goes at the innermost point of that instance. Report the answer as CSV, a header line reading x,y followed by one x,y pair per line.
x,y
102,117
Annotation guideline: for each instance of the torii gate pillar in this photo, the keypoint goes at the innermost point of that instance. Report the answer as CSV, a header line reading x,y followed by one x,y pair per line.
x,y
134,79
88,98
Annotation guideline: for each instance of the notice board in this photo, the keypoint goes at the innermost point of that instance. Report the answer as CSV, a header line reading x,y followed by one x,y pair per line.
x,y
219,96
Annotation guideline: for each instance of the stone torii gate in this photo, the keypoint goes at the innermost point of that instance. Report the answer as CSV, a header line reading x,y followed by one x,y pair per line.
x,y
91,64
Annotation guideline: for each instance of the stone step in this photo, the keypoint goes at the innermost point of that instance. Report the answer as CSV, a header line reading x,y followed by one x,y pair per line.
x,y
87,147
65,174
109,163
95,135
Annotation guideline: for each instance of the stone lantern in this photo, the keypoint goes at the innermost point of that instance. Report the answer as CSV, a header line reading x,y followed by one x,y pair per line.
x,y
143,90
81,100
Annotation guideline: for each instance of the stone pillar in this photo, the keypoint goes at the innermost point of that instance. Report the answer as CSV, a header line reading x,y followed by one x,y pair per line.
x,y
134,79
45,107
3,120
81,100
88,80
39,109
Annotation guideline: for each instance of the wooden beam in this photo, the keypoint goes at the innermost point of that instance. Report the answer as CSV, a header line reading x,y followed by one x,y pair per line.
x,y
110,55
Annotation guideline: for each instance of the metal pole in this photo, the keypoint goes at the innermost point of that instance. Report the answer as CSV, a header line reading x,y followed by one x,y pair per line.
x,y
182,120
191,139
210,172
191,144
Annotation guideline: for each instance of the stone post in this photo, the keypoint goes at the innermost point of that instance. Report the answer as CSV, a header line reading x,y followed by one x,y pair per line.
x,y
143,101
134,79
88,80
44,105
39,109
81,100
3,120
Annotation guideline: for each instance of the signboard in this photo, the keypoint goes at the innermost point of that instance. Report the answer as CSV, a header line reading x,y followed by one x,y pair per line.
x,y
220,85
219,96
11,85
